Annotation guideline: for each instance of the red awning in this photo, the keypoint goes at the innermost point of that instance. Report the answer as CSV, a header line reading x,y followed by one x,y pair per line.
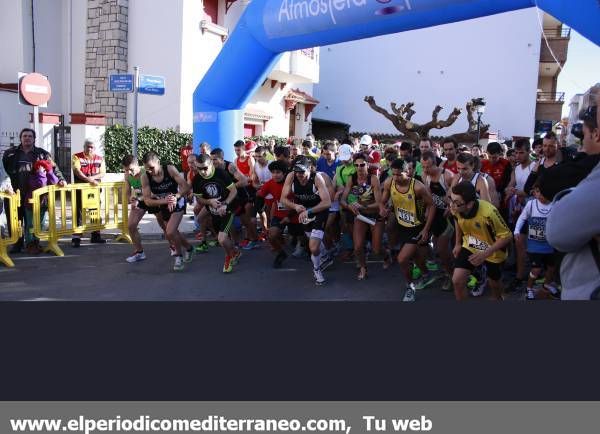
x,y
296,96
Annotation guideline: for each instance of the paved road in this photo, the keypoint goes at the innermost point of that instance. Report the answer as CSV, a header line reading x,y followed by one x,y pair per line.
x,y
99,272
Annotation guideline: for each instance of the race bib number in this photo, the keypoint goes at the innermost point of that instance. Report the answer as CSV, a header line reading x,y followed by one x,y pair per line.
x,y
537,229
476,243
405,216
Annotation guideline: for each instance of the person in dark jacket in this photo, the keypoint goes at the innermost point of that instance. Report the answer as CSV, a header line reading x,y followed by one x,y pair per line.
x,y
18,163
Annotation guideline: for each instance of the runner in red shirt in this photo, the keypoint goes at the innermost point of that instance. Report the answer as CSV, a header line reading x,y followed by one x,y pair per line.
x,y
497,167
184,153
450,152
280,215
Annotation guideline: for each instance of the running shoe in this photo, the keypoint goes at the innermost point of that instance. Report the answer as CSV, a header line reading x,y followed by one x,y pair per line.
x,y
187,255
432,266
554,292
178,265
472,282
244,243
319,278
478,290
236,257
201,248
326,262
416,272
227,266
424,281
251,245
278,262
212,243
409,295
136,257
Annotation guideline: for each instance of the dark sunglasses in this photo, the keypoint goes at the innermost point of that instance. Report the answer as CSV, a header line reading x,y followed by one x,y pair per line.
x,y
361,164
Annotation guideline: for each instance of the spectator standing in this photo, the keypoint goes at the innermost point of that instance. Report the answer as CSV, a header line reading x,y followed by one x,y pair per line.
x,y
87,167
18,163
184,153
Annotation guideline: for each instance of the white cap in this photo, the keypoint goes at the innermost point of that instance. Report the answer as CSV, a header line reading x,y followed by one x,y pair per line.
x,y
345,152
366,140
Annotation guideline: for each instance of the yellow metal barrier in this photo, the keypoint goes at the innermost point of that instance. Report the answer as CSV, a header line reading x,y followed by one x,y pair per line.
x,y
14,200
103,207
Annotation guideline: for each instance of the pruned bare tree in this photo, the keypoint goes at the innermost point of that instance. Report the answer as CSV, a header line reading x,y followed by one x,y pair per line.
x,y
401,118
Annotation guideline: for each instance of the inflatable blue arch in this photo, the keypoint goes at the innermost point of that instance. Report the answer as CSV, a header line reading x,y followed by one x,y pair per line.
x,y
270,27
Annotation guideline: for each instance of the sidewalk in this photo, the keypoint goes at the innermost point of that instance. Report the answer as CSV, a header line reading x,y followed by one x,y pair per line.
x,y
149,229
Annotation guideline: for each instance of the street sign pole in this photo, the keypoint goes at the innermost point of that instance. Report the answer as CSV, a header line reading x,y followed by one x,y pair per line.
x,y
36,124
136,82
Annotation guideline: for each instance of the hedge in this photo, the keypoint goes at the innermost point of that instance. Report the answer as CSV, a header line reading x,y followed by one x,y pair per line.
x,y
118,141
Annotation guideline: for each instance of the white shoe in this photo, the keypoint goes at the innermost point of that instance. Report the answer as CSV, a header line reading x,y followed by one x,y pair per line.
x,y
409,295
187,255
319,278
478,290
136,257
178,265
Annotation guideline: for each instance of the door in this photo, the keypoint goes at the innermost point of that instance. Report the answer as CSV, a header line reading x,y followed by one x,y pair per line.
x,y
292,130
62,149
249,130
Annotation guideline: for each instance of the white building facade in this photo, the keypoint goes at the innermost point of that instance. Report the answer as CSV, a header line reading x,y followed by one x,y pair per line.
x,y
495,57
78,44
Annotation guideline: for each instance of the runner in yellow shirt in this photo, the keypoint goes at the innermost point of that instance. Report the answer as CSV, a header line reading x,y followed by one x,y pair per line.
x,y
414,211
481,237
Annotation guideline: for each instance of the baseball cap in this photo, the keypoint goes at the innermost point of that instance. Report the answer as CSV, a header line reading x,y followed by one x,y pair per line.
x,y
366,140
302,165
345,152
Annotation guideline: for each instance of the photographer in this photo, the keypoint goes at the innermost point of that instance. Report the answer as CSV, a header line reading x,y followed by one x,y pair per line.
x,y
574,224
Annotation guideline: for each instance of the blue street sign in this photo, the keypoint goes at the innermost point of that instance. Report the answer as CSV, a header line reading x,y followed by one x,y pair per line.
x,y
120,83
152,85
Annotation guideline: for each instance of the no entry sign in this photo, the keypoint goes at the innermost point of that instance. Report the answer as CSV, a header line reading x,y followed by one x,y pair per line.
x,y
35,89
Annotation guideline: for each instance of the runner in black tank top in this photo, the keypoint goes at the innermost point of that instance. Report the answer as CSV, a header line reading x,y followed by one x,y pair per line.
x,y
311,201
164,187
438,180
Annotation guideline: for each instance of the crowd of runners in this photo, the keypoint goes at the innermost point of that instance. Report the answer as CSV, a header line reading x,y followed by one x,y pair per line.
x,y
444,212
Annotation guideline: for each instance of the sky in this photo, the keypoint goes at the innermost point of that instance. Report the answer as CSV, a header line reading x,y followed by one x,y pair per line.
x,y
582,69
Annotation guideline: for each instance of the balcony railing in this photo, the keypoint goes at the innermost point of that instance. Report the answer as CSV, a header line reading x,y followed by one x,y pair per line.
x,y
308,52
563,32
551,96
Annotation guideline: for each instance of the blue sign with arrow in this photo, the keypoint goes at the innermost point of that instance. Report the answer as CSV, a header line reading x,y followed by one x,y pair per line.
x,y
120,83
152,85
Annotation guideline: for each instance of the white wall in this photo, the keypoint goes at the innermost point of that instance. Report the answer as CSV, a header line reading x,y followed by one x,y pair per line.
x,y
495,57
198,52
155,30
13,116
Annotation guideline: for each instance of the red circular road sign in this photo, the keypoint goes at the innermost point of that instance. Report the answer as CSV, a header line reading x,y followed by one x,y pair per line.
x,y
35,89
